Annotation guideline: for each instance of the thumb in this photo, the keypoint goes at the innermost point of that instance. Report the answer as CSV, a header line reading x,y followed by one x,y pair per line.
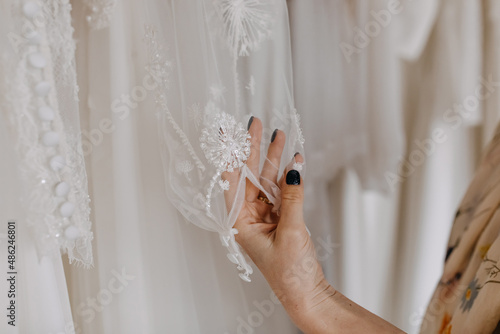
x,y
292,200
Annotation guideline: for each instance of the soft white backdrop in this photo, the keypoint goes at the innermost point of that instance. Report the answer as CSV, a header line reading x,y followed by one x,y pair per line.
x,y
360,117
382,243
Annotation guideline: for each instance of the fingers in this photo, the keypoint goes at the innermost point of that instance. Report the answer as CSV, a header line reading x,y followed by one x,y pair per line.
x,y
292,198
255,130
297,158
271,167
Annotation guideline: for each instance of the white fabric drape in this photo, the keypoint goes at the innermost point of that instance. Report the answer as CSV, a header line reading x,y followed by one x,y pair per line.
x,y
354,121
156,272
42,172
385,246
41,304
179,279
389,247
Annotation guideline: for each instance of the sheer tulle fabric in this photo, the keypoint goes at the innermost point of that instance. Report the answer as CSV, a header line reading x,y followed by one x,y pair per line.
x,y
39,123
175,276
181,279
39,100
211,73
352,88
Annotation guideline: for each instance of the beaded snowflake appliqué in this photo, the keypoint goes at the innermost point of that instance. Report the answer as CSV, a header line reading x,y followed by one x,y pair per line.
x,y
246,23
225,143
226,146
100,13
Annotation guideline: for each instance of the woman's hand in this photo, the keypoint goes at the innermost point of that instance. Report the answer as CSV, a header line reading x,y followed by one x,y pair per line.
x,y
283,251
280,246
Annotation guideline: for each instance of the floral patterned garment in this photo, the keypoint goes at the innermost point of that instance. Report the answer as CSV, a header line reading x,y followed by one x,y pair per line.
x,y
467,298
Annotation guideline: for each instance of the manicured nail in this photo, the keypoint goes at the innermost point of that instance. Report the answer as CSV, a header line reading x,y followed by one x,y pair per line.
x,y
293,178
273,137
296,154
250,122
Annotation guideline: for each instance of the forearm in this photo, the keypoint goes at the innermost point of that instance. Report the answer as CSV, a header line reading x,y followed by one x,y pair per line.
x,y
331,312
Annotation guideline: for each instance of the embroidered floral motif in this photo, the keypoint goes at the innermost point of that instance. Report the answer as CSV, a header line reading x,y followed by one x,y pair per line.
x,y
159,67
195,114
281,118
470,295
100,13
246,23
251,85
184,167
224,184
296,118
217,92
225,143
199,201
298,166
40,90
57,20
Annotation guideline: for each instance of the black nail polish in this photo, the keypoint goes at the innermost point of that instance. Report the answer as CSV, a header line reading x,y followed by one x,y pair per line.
x,y
296,154
250,122
293,178
273,137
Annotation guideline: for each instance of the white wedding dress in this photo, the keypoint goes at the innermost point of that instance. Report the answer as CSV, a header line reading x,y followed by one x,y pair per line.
x,y
42,174
179,277
151,76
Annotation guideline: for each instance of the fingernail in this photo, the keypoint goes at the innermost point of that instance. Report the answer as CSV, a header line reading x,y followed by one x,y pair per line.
x,y
296,154
293,178
250,122
273,137
458,276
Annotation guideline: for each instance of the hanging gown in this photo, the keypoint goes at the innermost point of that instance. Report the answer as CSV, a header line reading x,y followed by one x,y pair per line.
x,y
147,80
42,172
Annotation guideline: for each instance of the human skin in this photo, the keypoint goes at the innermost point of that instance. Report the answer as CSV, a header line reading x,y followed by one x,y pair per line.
x,y
282,249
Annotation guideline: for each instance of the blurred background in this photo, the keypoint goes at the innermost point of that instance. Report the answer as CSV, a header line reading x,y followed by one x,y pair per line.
x,y
397,99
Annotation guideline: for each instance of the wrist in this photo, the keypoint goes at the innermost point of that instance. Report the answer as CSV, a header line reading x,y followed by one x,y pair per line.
x,y
330,312
309,312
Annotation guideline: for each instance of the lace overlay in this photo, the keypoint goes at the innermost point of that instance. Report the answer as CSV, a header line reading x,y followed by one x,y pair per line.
x,y
223,141
226,146
41,101
99,13
244,24
200,112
